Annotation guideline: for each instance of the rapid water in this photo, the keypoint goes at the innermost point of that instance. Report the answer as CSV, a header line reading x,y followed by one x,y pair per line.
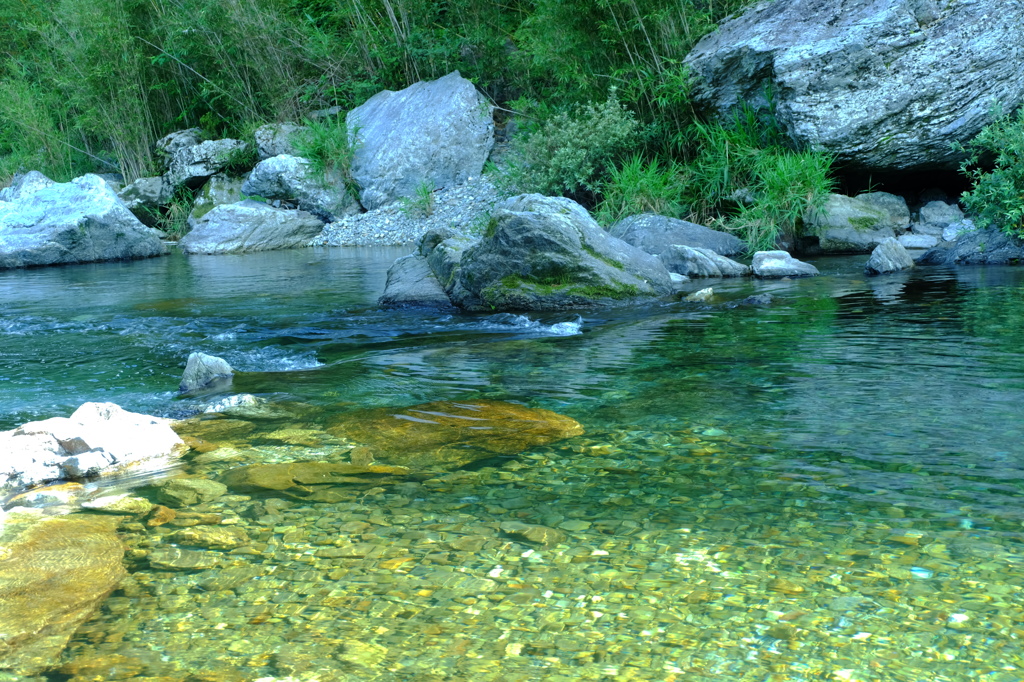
x,y
859,439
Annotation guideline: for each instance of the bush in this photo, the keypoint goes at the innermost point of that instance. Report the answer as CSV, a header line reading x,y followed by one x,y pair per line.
x,y
330,149
998,193
639,186
572,152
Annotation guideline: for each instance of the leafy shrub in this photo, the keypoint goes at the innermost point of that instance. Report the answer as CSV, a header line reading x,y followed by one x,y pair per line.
x,y
998,194
639,186
572,152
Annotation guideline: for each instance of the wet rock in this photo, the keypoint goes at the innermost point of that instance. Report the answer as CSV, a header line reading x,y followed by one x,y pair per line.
x,y
160,515
202,371
54,574
541,535
981,247
889,256
291,179
176,559
364,654
120,504
80,221
775,264
274,139
702,296
300,476
210,537
755,300
411,283
452,433
547,253
657,234
435,134
97,439
698,262
250,226
185,492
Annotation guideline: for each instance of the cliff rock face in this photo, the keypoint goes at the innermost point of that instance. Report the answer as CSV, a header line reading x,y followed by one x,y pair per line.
x,y
885,85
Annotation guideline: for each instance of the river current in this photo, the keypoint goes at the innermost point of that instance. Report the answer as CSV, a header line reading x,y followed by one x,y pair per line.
x,y
824,488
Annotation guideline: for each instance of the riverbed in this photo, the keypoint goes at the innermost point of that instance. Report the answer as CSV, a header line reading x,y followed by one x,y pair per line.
x,y
827,487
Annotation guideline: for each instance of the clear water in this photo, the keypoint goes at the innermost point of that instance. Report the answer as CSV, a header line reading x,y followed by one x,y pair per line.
x,y
825,488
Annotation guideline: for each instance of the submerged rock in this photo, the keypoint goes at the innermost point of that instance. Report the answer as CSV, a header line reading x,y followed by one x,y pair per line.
x,y
775,264
54,574
185,492
450,434
889,256
73,222
300,476
202,370
432,134
97,439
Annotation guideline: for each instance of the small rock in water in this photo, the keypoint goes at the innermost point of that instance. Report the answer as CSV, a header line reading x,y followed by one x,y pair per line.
x,y
542,535
205,371
183,492
702,296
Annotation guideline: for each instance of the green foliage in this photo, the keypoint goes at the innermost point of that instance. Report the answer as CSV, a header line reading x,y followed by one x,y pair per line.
x,y
998,192
572,152
330,148
174,220
745,178
421,204
638,186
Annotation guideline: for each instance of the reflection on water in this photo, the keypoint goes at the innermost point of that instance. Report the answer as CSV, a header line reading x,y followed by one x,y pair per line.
x,y
826,488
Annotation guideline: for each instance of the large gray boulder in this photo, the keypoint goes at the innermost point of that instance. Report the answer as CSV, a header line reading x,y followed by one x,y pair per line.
x,y
656,234
547,253
989,246
777,264
250,226
74,222
697,262
882,84
889,256
291,179
274,139
436,134
97,439
857,224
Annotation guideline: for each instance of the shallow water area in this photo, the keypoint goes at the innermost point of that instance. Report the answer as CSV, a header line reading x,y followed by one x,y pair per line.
x,y
824,488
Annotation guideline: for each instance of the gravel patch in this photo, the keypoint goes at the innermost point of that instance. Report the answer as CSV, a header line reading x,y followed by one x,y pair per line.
x,y
464,207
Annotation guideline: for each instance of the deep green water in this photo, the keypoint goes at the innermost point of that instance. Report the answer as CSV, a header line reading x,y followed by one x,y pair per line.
x,y
859,438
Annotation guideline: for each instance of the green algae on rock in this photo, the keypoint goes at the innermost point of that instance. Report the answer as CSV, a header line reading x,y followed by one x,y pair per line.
x,y
451,434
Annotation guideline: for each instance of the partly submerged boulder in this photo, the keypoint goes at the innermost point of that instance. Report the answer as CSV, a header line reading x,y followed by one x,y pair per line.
x,y
54,573
97,439
889,256
547,253
202,371
250,226
697,262
657,234
990,246
857,224
450,434
776,264
73,222
888,85
291,179
411,283
432,134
